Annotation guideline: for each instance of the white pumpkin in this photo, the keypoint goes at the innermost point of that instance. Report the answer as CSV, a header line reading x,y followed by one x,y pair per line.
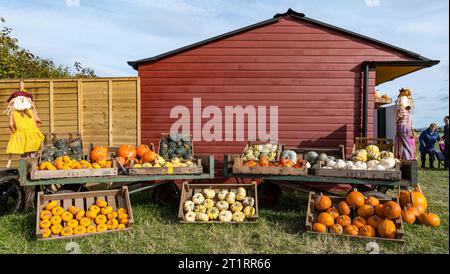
x,y
360,165
388,163
202,217
198,198
199,209
188,206
208,203
249,212
238,216
349,165
222,195
213,213
249,201
386,154
209,193
371,164
225,216
236,206
241,194
230,197
190,216
308,165
340,164
379,167
222,205
331,163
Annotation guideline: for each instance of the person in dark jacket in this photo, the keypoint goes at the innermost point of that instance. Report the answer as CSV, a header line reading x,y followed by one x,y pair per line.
x,y
446,142
427,144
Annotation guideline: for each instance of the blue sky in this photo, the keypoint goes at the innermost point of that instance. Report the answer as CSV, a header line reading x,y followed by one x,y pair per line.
x,y
105,34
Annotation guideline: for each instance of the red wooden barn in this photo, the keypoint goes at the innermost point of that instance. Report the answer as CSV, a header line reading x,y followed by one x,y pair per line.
x,y
321,77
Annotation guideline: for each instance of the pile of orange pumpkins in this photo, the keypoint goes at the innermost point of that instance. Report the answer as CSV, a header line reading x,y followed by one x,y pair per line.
x,y
371,218
264,161
128,155
414,204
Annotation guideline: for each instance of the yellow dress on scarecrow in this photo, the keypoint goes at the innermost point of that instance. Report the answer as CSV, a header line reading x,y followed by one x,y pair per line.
x,y
27,137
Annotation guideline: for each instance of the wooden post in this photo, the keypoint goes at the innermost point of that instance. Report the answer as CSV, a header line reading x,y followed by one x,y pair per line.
x,y
52,116
110,115
21,85
138,109
80,109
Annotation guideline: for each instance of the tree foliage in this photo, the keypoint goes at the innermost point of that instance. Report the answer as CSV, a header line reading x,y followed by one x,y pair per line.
x,y
17,62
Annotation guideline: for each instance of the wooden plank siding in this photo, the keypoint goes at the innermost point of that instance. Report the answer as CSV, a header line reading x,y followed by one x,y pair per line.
x,y
313,74
79,105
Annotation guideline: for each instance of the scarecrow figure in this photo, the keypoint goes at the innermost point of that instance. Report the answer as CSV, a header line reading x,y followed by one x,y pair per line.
x,y
405,143
24,122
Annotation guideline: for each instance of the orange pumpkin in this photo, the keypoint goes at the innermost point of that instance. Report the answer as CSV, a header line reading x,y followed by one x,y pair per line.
x,y
431,219
367,231
149,156
392,210
264,161
351,230
408,215
128,152
98,153
355,198
343,208
414,197
366,211
141,150
322,202
413,209
379,210
387,229
337,229
359,221
326,219
344,220
374,220
333,212
372,201
318,227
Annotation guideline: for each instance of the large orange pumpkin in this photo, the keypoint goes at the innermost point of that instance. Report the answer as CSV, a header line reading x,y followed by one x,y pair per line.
x,y
387,229
128,152
333,212
344,220
413,209
367,231
99,153
343,208
366,211
392,210
322,202
359,221
351,230
149,157
414,197
141,150
355,198
374,220
326,219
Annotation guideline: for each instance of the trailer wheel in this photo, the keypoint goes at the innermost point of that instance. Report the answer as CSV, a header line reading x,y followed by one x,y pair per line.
x,y
12,197
166,194
269,195
377,194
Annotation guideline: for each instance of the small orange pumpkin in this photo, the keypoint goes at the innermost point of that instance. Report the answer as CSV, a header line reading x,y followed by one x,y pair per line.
x,y
98,153
128,152
318,227
387,229
351,230
343,208
355,198
413,209
322,202
264,161
379,210
431,219
359,221
366,211
326,219
141,150
374,220
414,197
337,229
409,215
333,212
344,220
392,210
149,156
372,201
367,231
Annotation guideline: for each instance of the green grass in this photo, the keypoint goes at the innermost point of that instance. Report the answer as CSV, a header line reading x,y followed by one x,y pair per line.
x,y
156,230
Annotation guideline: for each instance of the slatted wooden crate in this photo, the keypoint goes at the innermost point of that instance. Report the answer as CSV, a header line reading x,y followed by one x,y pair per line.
x,y
312,213
192,170
51,137
259,142
163,135
382,143
188,190
118,198
388,175
240,168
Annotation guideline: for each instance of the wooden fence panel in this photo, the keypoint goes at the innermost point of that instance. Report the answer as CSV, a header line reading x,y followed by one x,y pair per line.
x,y
104,110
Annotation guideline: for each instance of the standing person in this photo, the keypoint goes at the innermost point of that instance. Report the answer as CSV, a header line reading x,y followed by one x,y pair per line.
x,y
446,141
427,141
405,104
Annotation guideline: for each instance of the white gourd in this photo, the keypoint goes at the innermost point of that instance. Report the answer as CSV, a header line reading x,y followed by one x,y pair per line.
x,y
222,195
308,165
209,193
202,217
371,164
198,198
238,216
249,201
331,163
340,164
225,216
388,163
222,205
230,197
188,206
379,167
349,165
190,216
360,165
236,206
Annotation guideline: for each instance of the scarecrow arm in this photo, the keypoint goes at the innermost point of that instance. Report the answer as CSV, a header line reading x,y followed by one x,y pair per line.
x,y
36,116
12,126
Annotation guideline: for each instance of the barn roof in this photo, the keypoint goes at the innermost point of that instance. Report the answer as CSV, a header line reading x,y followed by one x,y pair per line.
x,y
419,61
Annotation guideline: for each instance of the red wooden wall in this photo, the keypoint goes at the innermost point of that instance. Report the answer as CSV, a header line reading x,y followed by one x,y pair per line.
x,y
312,73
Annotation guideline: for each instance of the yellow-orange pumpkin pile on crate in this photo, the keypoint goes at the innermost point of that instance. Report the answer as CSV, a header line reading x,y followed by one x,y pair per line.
x,y
57,221
415,205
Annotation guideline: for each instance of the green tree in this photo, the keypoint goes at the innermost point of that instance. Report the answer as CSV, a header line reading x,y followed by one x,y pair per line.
x,y
16,62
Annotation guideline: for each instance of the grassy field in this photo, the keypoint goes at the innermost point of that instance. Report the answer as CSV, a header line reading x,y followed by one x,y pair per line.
x,y
156,231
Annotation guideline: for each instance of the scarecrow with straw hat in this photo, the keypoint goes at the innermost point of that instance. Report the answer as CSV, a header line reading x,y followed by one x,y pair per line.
x,y
24,122
405,143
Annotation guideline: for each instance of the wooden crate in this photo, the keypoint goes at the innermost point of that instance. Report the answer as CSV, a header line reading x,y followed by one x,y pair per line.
x,y
163,135
258,142
188,190
36,174
51,137
382,101
193,170
118,198
382,143
388,175
311,216
240,168
338,152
